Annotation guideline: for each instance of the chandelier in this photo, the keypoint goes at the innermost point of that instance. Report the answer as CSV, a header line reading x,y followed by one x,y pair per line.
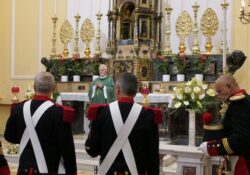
x,y
245,12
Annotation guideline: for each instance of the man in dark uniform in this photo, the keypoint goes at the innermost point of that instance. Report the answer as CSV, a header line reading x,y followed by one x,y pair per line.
x,y
39,123
143,138
4,167
236,122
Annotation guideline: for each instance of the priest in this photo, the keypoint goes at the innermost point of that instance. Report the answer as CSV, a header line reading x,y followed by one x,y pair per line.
x,y
101,90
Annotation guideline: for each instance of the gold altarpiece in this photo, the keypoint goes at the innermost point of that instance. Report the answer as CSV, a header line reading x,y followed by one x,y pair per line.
x,y
134,31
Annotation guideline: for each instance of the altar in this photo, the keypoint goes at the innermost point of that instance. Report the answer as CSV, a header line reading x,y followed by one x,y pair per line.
x,y
81,98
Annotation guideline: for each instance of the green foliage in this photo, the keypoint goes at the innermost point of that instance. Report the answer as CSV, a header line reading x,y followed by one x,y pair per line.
x,y
76,68
181,63
201,63
161,63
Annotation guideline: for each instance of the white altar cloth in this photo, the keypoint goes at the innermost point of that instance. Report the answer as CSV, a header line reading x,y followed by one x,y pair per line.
x,y
83,96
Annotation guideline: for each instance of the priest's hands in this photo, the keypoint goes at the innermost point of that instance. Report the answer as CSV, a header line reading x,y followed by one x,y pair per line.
x,y
99,85
203,148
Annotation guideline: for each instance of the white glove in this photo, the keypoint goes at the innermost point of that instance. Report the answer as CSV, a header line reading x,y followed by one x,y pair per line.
x,y
203,148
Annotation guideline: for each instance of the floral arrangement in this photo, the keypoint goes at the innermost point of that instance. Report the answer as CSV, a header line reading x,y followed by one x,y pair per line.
x,y
161,63
201,63
181,63
194,95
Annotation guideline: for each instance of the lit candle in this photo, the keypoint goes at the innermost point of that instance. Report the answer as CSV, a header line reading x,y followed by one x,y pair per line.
x,y
243,4
100,4
55,7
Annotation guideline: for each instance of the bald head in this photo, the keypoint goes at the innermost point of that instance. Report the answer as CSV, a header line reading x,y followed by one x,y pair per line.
x,y
225,86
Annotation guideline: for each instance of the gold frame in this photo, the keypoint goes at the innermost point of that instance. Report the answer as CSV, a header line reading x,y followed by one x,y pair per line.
x,y
143,67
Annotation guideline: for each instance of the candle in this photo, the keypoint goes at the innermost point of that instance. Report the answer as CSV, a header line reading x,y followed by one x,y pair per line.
x,y
100,4
55,7
243,4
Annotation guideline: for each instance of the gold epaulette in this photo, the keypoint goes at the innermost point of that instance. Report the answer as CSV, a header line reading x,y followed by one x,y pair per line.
x,y
237,97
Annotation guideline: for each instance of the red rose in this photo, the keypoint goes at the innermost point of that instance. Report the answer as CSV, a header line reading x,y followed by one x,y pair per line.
x,y
207,117
203,57
15,89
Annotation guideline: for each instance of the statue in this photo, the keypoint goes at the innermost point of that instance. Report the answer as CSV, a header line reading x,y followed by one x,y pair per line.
x,y
235,60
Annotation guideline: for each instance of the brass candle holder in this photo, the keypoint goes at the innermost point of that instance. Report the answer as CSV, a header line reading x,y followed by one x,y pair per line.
x,y
53,49
167,49
98,52
195,48
224,8
76,53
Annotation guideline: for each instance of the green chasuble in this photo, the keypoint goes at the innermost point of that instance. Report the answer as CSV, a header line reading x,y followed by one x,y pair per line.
x,y
104,94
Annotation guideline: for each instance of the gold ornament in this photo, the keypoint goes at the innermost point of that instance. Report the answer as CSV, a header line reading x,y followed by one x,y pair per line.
x,y
209,27
66,34
87,34
183,28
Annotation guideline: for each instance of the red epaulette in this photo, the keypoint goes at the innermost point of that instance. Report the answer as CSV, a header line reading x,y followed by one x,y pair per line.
x,y
92,110
68,113
5,170
157,113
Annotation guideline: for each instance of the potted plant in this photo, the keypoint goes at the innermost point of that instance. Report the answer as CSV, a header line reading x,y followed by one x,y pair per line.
x,y
201,63
162,65
63,71
76,71
181,64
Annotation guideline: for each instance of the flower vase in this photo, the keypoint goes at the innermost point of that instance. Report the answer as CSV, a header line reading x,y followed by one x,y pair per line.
x,y
191,128
166,77
76,78
64,78
180,77
199,77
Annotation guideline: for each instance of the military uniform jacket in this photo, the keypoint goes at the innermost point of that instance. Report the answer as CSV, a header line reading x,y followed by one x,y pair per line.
x,y
143,138
236,122
54,134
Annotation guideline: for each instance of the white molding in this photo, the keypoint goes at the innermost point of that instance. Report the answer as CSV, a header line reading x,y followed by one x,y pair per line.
x,y
13,13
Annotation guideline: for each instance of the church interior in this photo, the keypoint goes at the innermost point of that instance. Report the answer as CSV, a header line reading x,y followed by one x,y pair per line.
x,y
148,38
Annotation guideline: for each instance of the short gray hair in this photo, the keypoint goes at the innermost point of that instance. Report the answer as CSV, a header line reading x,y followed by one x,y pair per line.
x,y
128,83
44,82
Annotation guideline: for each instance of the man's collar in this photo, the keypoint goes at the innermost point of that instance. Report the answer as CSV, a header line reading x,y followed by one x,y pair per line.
x,y
41,97
241,91
103,77
126,99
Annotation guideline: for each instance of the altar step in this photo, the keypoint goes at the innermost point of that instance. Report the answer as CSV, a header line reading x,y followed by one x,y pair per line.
x,y
87,164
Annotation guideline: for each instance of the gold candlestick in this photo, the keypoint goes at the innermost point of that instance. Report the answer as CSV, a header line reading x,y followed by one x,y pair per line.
x,y
98,52
53,50
168,50
195,48
224,7
76,50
